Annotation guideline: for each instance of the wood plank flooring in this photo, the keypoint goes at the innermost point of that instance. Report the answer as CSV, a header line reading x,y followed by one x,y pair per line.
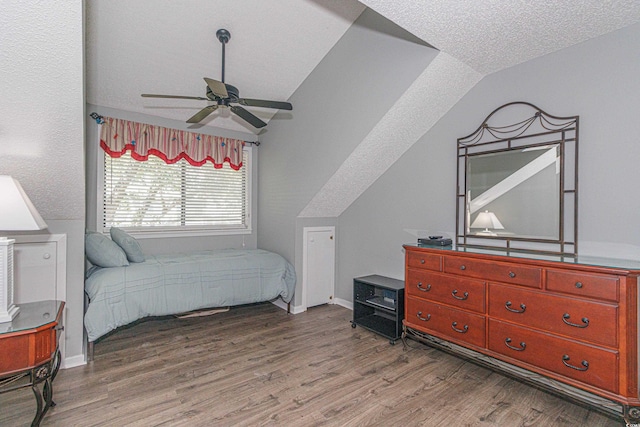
x,y
256,365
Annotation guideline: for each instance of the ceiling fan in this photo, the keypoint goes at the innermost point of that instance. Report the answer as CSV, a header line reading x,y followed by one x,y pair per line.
x,y
224,95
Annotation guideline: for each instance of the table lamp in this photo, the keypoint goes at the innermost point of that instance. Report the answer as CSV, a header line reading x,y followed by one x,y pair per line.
x,y
17,213
489,221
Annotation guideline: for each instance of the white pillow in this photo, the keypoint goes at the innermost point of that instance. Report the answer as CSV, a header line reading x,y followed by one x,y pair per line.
x,y
128,243
103,252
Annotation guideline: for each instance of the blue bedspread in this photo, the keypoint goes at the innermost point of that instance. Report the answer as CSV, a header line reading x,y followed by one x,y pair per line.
x,y
172,284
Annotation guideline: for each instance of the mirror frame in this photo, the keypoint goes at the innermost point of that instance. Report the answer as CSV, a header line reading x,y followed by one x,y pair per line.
x,y
532,128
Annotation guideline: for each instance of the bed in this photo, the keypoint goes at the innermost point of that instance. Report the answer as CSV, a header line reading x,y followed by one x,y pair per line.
x,y
172,284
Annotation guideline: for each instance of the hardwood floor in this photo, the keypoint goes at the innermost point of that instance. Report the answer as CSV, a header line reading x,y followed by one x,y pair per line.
x,y
256,365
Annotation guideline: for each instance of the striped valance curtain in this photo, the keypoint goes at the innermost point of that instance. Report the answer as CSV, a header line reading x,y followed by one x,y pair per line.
x,y
118,135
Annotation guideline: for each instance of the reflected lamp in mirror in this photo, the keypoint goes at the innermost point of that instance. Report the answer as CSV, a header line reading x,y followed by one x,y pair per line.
x,y
489,221
17,213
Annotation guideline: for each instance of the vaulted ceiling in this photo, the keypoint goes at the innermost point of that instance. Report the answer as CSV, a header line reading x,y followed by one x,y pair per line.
x,y
167,47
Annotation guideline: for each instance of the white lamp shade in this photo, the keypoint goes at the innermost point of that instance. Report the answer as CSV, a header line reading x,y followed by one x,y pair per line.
x,y
17,213
487,220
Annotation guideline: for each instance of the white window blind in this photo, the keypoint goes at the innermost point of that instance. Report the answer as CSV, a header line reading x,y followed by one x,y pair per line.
x,y
155,196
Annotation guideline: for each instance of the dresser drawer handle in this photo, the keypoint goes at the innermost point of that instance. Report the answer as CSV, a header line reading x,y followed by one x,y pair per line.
x,y
523,345
512,274
464,329
507,305
421,261
463,267
584,363
579,285
423,289
464,296
566,317
424,319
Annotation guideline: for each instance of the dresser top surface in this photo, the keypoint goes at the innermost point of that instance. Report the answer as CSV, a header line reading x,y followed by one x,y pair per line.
x,y
625,264
32,315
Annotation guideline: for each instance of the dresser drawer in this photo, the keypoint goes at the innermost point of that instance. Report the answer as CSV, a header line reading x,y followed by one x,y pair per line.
x,y
588,364
494,271
600,286
460,292
424,260
589,321
458,325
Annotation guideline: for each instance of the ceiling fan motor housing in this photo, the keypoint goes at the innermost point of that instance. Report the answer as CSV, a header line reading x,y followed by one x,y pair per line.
x,y
232,91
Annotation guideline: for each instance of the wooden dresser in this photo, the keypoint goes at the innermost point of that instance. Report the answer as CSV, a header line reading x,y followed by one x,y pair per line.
x,y
569,325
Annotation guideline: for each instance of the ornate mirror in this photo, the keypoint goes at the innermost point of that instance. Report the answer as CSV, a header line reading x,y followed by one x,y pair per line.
x,y
517,184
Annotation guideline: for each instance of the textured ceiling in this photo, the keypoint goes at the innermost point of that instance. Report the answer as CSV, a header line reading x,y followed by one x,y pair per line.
x,y
166,47
491,35
475,38
443,83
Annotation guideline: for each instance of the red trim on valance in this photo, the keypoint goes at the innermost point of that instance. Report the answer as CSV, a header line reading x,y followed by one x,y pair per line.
x,y
118,136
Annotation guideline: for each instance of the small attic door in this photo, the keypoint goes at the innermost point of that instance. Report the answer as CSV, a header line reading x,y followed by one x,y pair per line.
x,y
318,265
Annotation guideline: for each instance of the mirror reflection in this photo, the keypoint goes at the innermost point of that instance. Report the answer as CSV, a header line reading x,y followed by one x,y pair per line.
x,y
514,193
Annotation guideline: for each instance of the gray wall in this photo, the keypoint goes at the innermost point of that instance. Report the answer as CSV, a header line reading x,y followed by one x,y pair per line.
x,y
597,80
42,129
334,109
174,244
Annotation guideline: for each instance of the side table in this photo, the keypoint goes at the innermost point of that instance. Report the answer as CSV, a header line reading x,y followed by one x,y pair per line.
x,y
29,354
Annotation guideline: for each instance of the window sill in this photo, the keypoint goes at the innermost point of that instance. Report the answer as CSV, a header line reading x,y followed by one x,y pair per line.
x,y
159,234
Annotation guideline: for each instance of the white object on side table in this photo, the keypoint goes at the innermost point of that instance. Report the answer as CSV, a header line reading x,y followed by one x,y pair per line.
x,y
17,214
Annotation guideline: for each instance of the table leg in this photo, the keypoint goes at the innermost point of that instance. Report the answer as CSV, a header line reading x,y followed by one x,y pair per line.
x,y
47,391
57,359
403,337
38,396
44,374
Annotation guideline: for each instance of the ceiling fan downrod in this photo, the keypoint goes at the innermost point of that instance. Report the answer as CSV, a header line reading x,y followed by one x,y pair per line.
x,y
224,36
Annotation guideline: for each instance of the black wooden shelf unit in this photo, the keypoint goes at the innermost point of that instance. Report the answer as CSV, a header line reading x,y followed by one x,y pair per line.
x,y
378,305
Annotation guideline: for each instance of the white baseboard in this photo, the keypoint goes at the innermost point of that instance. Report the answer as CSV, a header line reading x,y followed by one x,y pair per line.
x,y
297,309
343,303
72,362
279,303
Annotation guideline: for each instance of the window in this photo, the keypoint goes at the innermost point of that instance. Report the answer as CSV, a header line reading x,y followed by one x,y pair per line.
x,y
155,197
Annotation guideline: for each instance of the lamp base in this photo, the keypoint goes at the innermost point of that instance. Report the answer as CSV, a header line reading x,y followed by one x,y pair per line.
x,y
486,232
7,309
9,314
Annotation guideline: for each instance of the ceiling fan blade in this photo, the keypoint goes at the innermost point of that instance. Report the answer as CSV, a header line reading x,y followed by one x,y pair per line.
x,y
266,104
150,95
200,115
218,88
248,117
